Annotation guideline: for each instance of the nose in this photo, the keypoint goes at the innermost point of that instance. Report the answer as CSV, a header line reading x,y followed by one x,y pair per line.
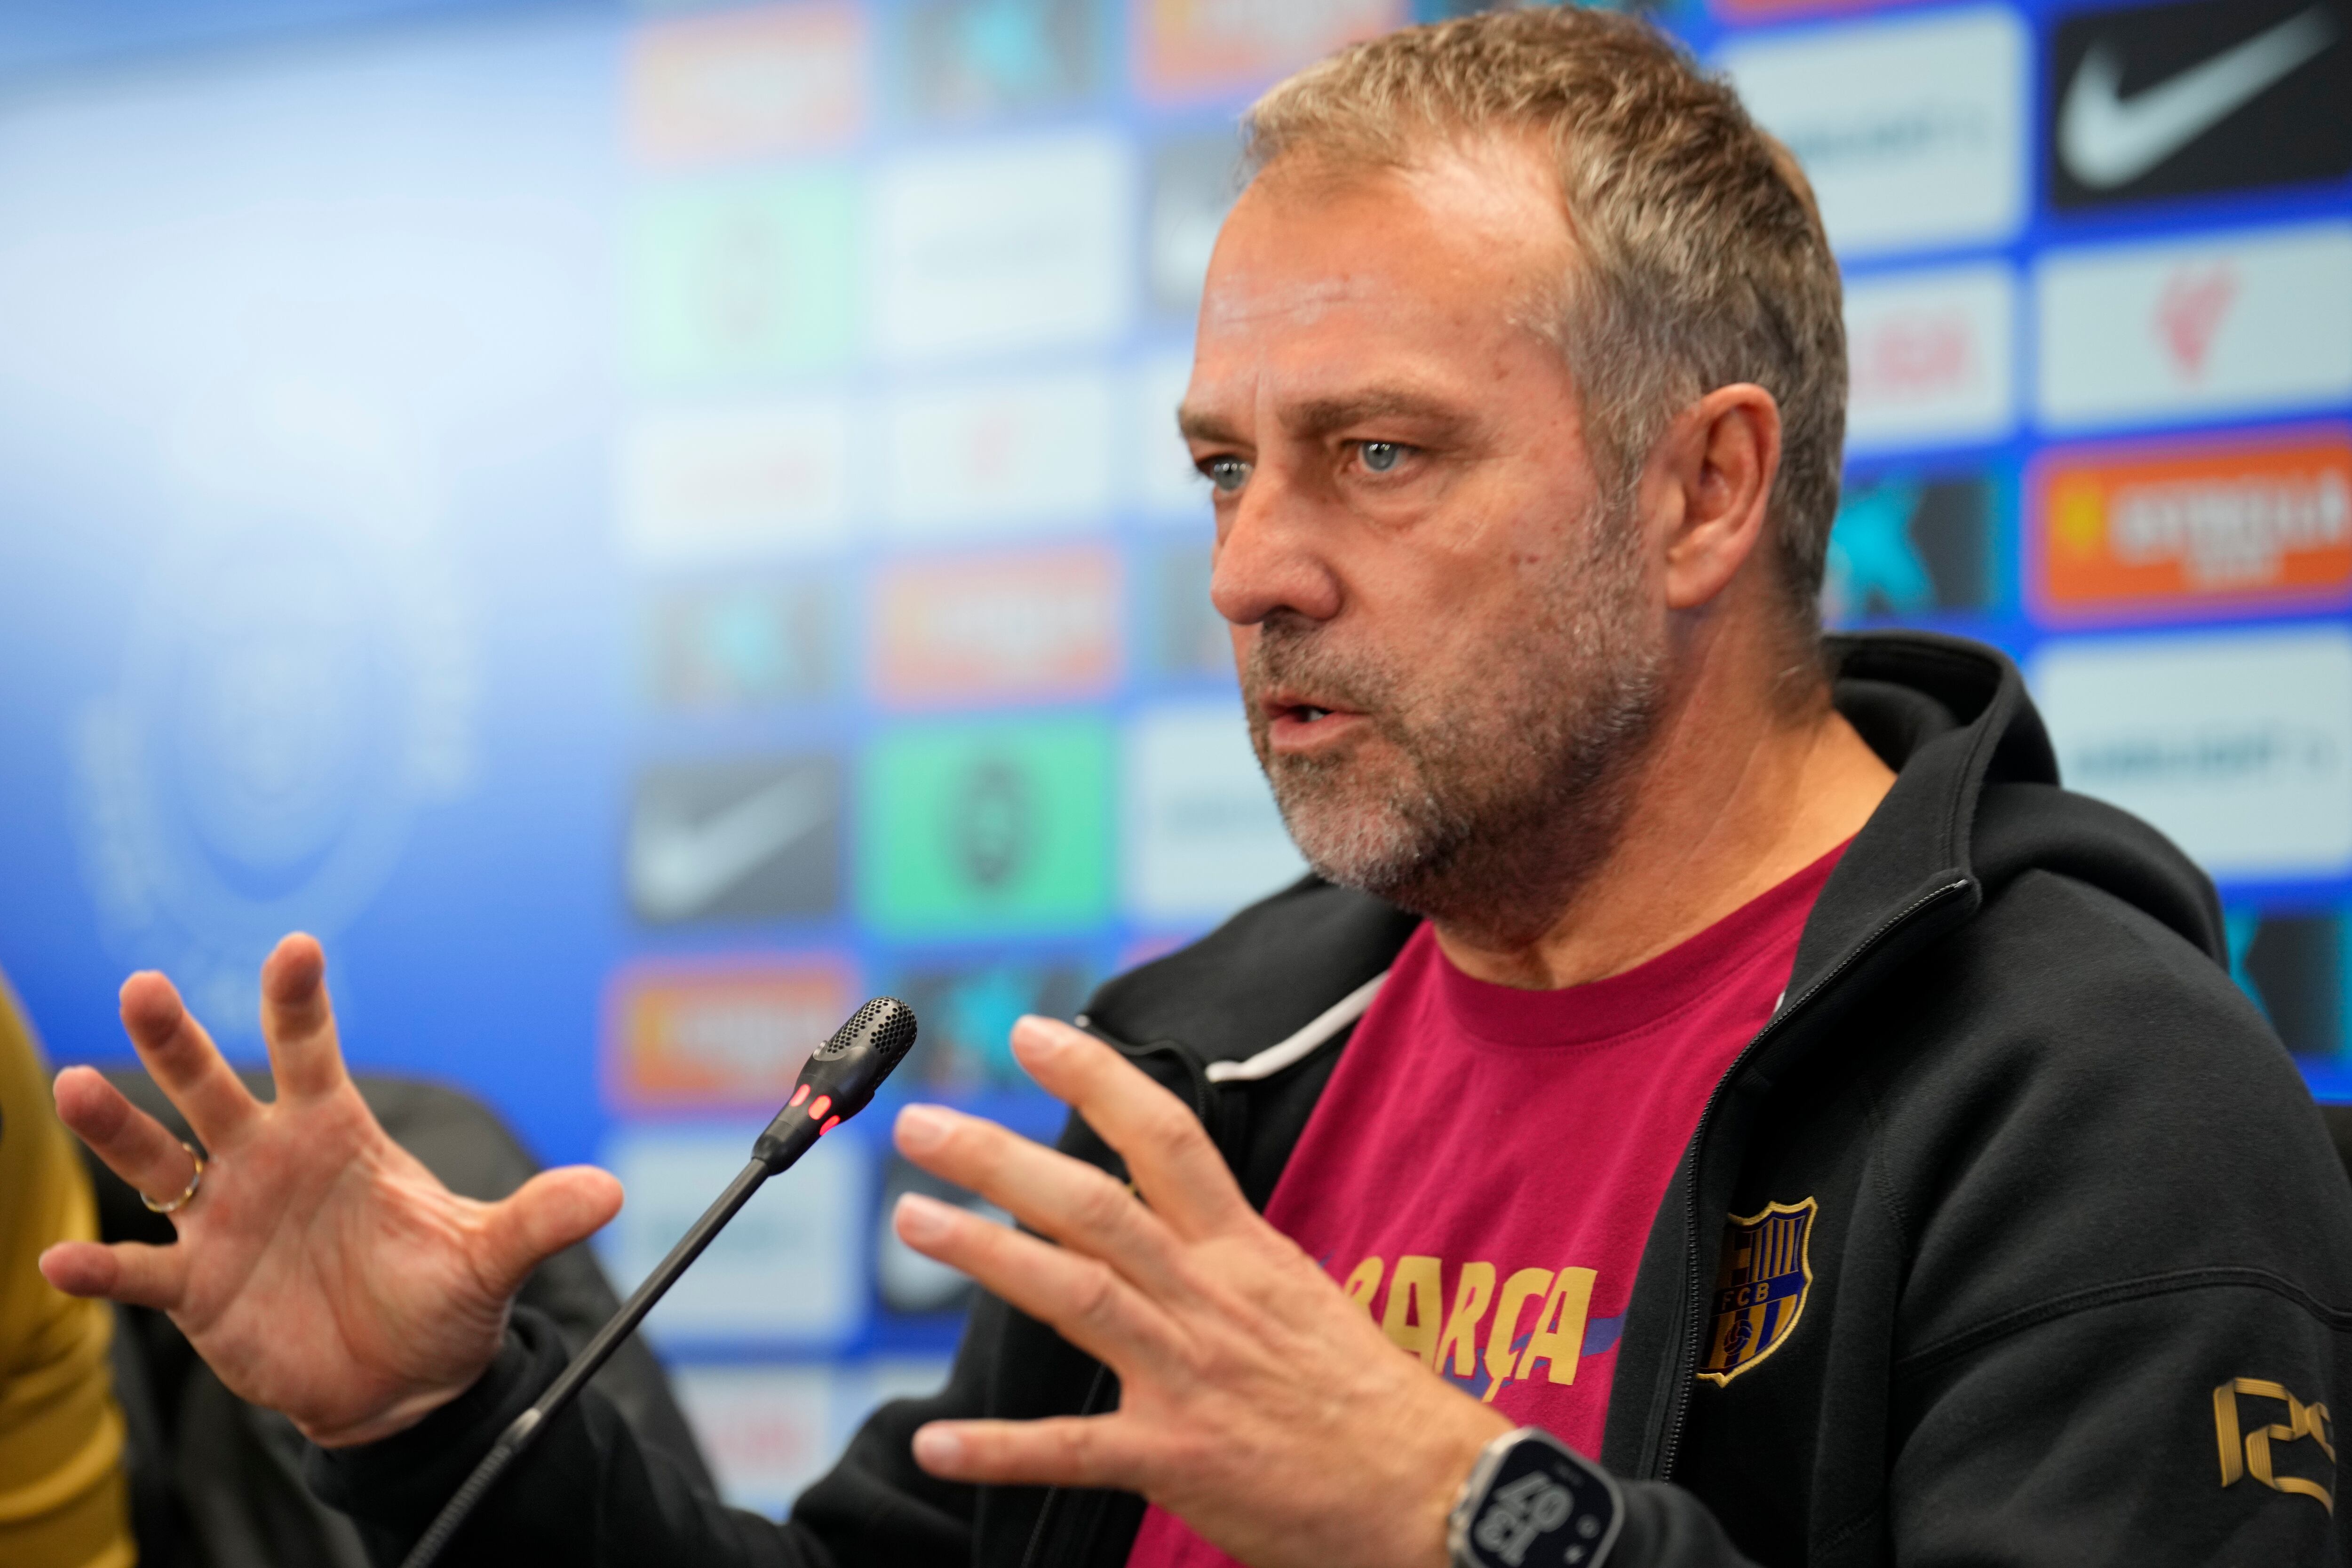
x,y
1268,557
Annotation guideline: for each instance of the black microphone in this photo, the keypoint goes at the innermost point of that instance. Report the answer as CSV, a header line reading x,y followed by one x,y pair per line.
x,y
837,1083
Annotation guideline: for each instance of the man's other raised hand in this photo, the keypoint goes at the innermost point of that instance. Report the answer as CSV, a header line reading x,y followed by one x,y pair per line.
x,y
319,1270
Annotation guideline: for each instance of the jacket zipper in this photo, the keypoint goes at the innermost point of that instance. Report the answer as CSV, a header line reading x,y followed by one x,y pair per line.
x,y
1199,1082
1695,1316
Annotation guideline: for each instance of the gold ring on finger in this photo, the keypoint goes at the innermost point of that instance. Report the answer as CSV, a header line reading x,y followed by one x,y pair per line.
x,y
195,1181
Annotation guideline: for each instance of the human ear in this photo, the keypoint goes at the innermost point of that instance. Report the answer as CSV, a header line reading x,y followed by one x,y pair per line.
x,y
1717,460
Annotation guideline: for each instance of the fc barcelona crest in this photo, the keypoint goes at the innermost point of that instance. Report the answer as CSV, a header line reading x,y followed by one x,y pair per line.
x,y
1760,1293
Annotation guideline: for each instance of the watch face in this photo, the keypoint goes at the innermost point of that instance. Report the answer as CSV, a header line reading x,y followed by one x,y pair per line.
x,y
1543,1508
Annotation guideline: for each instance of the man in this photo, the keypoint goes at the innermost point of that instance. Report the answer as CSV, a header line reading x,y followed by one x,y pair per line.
x,y
1774,1090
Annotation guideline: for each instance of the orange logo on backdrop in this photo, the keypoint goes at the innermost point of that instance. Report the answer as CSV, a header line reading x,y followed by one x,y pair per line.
x,y
776,79
1187,48
1041,623
720,1032
2190,528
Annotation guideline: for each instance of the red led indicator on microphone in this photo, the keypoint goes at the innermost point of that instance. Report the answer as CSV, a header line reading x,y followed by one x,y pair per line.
x,y
818,1107
830,1123
798,1095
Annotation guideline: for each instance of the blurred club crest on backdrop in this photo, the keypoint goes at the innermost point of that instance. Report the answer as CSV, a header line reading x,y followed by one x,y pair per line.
x,y
297,680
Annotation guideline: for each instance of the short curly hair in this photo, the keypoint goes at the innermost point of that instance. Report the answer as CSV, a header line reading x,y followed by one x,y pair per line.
x,y
1701,257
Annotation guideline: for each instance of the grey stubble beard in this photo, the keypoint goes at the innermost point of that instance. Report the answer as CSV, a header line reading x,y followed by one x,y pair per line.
x,y
1506,778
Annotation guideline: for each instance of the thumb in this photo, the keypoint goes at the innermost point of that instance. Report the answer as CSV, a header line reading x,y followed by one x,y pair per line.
x,y
546,1215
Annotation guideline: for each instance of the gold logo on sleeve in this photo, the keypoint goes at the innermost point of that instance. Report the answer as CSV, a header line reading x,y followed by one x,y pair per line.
x,y
2248,1453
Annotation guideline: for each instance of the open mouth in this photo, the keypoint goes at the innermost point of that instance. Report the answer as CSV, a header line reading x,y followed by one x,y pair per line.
x,y
1296,719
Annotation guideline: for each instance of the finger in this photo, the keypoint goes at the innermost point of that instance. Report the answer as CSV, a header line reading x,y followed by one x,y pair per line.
x,y
129,1271
1062,1450
298,1021
1083,1297
133,1144
184,1061
1176,1167
546,1215
1049,1192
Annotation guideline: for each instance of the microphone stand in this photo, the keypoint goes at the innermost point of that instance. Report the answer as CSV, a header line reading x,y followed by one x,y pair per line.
x,y
837,1083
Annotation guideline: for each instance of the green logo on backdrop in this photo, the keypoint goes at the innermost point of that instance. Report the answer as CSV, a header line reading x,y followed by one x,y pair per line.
x,y
746,278
983,829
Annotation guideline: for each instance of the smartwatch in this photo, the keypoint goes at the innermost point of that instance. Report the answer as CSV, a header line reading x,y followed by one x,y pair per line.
x,y
1532,1502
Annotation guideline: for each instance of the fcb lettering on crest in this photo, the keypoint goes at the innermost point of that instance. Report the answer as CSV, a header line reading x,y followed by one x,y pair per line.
x,y
1760,1292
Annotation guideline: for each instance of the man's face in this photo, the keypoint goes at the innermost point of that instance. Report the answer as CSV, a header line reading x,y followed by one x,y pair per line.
x,y
1449,648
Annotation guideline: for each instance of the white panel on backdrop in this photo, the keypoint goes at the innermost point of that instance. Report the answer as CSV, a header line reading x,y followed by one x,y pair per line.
x,y
2218,324
1009,455
790,1267
1913,131
1162,479
2237,745
1006,245
767,1431
1202,833
701,485
1932,358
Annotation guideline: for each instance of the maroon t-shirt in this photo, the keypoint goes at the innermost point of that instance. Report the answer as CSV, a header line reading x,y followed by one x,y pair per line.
x,y
1481,1172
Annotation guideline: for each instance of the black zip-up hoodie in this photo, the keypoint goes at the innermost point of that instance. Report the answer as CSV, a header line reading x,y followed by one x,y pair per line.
x,y
2080,1253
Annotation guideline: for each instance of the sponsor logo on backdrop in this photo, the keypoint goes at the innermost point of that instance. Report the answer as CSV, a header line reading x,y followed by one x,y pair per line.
x,y
969,59
1931,358
1202,833
750,279
1164,482
1044,624
2291,962
753,645
989,829
1011,455
2178,99
780,1272
1011,245
2168,527
2217,324
738,840
1912,542
2236,744
773,78
710,485
1183,634
1193,184
1208,48
1913,131
969,1008
766,1431
718,1033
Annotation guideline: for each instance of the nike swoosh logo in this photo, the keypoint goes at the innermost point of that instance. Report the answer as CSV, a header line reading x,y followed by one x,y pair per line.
x,y
677,865
2106,141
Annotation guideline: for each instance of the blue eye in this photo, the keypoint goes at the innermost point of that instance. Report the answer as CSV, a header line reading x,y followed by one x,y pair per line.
x,y
1382,456
1227,473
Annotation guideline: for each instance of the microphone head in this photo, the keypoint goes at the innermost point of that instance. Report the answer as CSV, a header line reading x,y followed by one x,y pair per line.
x,y
885,1026
839,1080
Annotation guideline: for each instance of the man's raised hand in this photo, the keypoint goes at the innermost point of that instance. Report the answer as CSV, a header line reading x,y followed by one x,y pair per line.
x,y
1256,1402
319,1270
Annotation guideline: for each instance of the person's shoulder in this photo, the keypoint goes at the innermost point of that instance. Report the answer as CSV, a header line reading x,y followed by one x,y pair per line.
x,y
2073,1090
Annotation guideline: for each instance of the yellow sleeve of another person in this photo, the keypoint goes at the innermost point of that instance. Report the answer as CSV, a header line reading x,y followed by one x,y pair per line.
x,y
62,1502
